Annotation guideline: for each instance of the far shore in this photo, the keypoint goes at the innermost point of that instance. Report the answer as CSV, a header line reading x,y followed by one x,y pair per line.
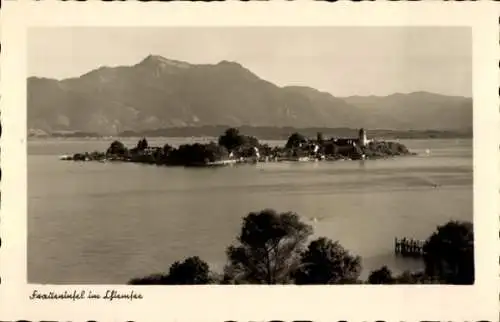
x,y
203,138
263,133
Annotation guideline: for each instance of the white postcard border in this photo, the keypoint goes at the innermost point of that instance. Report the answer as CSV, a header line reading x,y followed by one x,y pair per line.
x,y
245,303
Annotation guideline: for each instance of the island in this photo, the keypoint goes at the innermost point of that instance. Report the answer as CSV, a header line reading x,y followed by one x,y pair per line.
x,y
233,147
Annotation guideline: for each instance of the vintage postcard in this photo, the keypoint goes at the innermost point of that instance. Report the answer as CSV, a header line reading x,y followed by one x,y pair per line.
x,y
249,161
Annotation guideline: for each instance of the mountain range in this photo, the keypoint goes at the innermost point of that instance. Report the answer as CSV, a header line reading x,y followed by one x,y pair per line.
x,y
159,93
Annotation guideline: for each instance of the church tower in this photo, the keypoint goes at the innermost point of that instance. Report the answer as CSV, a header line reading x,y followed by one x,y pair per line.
x,y
363,141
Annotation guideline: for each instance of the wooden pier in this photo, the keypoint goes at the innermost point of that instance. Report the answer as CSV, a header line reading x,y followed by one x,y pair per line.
x,y
408,247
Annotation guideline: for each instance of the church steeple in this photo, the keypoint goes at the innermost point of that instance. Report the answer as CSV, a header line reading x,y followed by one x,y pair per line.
x,y
362,137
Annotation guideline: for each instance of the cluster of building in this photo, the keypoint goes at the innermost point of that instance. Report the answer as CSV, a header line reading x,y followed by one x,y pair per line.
x,y
311,149
361,140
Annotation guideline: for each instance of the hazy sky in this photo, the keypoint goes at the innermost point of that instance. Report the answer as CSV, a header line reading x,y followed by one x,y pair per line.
x,y
341,60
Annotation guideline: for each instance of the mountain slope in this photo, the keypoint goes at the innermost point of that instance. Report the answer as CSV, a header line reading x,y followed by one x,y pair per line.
x,y
417,110
162,93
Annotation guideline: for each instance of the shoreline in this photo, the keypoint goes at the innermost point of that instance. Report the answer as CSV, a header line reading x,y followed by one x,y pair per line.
x,y
232,147
231,162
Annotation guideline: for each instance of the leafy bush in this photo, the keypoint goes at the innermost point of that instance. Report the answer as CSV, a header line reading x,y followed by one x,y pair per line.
x,y
191,271
449,253
382,275
327,262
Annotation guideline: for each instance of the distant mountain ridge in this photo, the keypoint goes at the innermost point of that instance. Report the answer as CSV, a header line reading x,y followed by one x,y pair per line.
x,y
161,93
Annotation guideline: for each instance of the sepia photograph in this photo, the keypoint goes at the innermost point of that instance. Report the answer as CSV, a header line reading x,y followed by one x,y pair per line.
x,y
250,155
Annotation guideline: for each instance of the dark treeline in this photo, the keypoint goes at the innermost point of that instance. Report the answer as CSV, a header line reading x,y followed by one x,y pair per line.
x,y
276,248
274,133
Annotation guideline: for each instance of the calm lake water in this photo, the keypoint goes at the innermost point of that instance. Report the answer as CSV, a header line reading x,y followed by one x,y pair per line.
x,y
107,223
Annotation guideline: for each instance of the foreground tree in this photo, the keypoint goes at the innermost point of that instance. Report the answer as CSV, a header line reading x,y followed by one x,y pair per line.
x,y
268,249
449,253
382,275
192,271
153,279
327,262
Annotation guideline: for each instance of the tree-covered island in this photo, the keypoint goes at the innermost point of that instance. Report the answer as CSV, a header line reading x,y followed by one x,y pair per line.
x,y
233,147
